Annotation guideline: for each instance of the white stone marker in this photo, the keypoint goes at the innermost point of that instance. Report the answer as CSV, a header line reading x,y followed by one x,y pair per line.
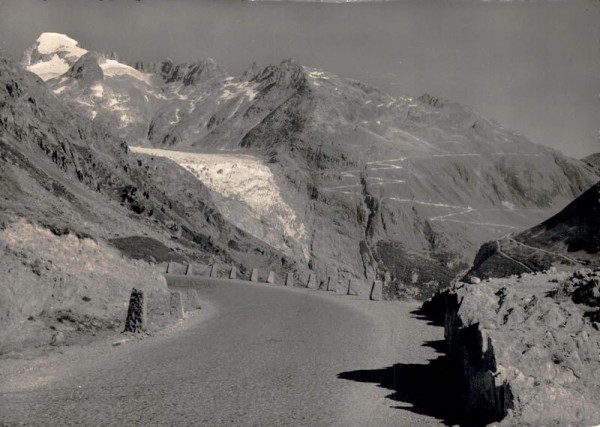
x,y
353,287
289,279
176,305
376,291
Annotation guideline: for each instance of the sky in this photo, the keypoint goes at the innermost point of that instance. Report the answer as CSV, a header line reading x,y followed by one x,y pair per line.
x,y
534,66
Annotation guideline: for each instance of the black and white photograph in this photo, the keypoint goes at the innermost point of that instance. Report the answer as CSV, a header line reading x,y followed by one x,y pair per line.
x,y
300,213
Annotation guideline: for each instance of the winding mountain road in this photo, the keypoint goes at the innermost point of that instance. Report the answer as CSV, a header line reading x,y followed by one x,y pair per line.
x,y
259,355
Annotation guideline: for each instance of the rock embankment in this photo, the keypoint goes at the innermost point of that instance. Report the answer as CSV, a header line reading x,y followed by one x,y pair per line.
x,y
525,350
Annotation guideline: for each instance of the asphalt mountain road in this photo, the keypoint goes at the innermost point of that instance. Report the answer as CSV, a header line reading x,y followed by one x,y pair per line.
x,y
261,355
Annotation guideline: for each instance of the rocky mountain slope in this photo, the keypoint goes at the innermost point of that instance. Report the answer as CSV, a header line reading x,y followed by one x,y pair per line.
x,y
64,175
569,238
404,189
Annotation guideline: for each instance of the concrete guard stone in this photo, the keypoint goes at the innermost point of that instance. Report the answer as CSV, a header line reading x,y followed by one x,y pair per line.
x,y
176,305
376,291
189,270
213,271
353,287
136,314
254,275
331,285
233,274
271,278
312,282
193,298
289,279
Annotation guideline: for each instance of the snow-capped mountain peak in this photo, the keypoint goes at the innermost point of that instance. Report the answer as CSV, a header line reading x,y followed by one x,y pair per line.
x,y
105,88
52,55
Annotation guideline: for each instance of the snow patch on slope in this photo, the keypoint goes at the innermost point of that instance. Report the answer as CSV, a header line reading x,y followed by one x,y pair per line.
x,y
49,69
247,194
112,68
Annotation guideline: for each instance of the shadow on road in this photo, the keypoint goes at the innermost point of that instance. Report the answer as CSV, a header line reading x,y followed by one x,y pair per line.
x,y
424,389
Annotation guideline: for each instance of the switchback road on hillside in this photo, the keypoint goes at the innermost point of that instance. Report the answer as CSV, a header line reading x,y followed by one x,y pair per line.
x,y
267,356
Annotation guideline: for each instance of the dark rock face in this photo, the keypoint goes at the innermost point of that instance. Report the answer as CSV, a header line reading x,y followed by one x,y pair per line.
x,y
583,288
136,314
571,237
593,160
86,70
486,395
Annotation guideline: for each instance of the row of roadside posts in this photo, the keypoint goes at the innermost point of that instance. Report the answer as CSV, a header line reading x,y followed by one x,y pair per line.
x,y
351,287
137,318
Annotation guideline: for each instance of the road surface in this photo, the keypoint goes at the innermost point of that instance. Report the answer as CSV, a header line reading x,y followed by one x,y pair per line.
x,y
265,356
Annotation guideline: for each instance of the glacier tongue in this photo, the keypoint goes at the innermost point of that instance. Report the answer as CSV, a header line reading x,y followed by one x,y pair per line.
x,y
248,194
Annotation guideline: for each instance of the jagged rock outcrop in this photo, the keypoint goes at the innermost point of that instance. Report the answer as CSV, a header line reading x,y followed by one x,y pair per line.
x,y
485,394
524,350
187,73
594,161
86,70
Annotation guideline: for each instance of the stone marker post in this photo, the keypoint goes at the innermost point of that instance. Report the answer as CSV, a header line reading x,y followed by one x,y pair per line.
x,y
352,287
254,275
312,281
193,298
289,279
168,267
136,314
233,274
176,305
376,291
213,271
271,278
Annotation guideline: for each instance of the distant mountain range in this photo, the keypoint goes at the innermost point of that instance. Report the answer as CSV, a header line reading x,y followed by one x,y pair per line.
x,y
348,181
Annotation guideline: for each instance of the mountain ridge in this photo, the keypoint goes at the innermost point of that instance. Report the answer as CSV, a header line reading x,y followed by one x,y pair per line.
x,y
425,179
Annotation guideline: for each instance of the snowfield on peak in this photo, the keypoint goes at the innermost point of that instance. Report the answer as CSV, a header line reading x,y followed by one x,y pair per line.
x,y
49,43
107,90
248,194
52,55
